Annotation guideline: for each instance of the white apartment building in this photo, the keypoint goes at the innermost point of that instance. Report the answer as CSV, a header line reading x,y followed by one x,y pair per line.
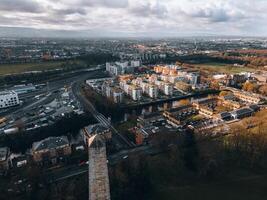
x,y
153,91
135,63
117,96
136,93
168,89
8,99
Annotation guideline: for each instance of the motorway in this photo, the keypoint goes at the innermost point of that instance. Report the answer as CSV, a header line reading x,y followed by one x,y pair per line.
x,y
119,138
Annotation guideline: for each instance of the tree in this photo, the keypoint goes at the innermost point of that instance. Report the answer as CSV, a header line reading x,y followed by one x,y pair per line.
x,y
250,87
263,89
224,93
184,102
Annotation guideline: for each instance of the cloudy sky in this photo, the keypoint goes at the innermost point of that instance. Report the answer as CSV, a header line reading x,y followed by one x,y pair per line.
x,y
139,17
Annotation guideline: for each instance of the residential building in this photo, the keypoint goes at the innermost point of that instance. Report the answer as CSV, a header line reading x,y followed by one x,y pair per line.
x,y
176,115
153,91
248,97
51,150
135,63
168,89
118,95
242,113
136,93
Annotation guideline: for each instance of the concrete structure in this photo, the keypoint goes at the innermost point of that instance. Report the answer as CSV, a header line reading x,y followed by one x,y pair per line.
x,y
98,170
8,99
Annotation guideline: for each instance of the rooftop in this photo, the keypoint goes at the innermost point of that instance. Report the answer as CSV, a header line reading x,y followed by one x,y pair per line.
x,y
95,129
7,92
50,143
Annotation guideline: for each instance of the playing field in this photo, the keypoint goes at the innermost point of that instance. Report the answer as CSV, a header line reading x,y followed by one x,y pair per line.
x,y
223,68
25,67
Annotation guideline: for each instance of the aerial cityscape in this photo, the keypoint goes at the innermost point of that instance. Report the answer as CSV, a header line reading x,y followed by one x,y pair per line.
x,y
133,100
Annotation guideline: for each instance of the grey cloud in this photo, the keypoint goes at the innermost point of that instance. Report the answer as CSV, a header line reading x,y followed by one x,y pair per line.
x,y
70,11
146,9
105,3
20,6
215,14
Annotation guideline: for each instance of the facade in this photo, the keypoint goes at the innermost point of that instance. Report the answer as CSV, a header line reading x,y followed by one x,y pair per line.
x,y
135,63
118,96
248,97
168,89
8,99
114,93
153,91
136,93
143,134
176,115
51,150
98,170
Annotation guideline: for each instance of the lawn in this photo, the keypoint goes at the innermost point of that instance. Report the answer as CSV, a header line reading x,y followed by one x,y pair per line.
x,y
248,188
26,67
223,68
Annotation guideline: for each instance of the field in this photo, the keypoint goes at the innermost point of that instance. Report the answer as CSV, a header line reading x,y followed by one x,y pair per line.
x,y
250,188
223,68
26,67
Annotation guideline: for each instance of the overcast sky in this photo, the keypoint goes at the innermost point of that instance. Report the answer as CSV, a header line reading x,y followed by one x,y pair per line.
x,y
139,17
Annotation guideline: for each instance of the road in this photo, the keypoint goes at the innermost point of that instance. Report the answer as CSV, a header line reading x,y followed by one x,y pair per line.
x,y
48,94
64,173
76,89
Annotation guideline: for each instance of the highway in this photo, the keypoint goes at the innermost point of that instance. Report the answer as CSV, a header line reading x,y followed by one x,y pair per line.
x,y
76,89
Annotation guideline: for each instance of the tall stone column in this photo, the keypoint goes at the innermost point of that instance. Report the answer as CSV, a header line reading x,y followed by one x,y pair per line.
x,y
98,170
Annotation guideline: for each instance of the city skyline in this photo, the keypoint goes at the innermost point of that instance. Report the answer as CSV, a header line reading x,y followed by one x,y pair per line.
x,y
131,18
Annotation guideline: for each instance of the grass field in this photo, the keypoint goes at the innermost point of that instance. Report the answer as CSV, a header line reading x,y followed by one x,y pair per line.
x,y
25,67
223,68
247,188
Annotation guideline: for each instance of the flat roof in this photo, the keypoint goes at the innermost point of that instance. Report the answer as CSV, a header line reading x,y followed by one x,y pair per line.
x,y
7,92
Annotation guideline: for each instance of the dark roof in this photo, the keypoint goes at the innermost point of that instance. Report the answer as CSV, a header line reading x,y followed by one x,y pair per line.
x,y
254,107
95,129
225,114
50,143
243,111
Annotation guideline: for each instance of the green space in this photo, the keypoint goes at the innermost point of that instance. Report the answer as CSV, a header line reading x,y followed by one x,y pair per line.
x,y
223,68
26,67
247,188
